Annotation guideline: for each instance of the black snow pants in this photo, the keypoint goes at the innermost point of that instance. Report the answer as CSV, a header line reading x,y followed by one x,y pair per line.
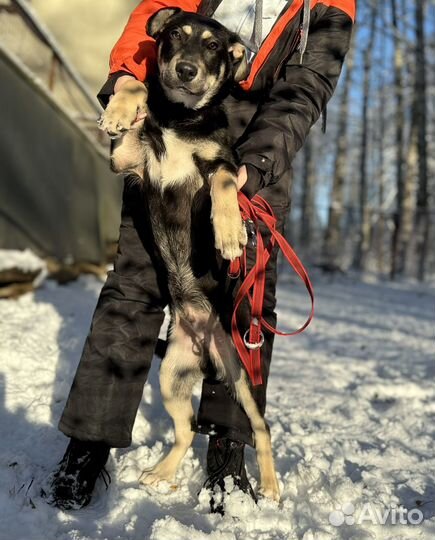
x,y
108,385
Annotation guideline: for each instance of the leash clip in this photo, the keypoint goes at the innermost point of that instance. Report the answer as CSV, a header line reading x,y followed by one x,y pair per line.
x,y
234,275
234,269
251,232
253,346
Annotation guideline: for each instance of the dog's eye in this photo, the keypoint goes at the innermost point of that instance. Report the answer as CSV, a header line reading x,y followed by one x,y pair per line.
x,y
175,34
213,45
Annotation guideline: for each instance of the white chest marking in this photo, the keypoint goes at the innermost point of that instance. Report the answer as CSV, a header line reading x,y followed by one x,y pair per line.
x,y
177,164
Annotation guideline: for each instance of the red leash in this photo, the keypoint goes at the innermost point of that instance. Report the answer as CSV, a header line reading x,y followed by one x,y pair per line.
x,y
253,285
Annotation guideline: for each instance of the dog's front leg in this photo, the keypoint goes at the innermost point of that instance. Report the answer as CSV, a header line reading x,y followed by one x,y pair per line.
x,y
128,104
229,230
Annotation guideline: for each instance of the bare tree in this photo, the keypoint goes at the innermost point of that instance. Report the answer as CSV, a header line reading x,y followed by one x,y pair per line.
x,y
399,242
308,183
379,221
422,210
332,245
363,242
409,191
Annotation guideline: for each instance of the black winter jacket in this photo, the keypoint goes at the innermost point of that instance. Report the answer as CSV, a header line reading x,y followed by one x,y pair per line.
x,y
272,112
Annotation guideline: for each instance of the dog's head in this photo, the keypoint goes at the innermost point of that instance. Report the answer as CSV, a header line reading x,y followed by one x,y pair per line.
x,y
196,56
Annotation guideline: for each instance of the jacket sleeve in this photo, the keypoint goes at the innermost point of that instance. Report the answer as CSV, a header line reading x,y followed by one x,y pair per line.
x,y
134,52
295,102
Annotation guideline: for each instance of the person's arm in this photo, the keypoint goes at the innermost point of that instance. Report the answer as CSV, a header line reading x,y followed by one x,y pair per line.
x,y
134,53
295,102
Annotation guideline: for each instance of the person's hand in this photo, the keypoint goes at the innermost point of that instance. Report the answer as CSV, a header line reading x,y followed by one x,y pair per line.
x,y
242,177
127,107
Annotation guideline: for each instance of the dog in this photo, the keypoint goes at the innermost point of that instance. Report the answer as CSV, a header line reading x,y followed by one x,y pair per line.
x,y
181,152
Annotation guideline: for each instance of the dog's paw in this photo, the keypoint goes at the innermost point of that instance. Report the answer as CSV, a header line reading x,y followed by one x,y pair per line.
x,y
155,475
229,232
270,490
125,110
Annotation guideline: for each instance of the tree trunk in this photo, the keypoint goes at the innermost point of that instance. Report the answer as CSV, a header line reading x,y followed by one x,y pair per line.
x,y
409,191
399,245
422,210
308,182
363,242
333,238
380,142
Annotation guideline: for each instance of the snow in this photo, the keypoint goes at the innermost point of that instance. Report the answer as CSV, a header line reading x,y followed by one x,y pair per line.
x,y
351,408
26,261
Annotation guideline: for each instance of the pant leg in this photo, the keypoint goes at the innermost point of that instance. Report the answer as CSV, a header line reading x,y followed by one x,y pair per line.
x,y
116,358
218,411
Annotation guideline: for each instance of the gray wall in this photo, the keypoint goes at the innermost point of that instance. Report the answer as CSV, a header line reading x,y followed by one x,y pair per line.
x,y
57,194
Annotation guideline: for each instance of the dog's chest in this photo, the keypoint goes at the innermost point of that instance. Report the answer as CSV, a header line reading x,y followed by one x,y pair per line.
x,y
169,159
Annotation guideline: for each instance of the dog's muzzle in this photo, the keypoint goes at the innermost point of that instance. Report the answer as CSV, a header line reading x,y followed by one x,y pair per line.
x,y
186,71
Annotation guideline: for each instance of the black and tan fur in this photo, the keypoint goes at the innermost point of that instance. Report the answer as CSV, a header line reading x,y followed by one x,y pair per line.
x,y
182,154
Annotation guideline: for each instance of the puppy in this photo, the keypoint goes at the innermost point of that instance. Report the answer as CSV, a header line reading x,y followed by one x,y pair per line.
x,y
181,153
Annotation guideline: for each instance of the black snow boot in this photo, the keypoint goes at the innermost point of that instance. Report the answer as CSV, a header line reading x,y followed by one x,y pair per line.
x,y
225,457
73,482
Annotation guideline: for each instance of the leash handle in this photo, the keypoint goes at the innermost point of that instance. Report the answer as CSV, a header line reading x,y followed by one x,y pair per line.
x,y
249,346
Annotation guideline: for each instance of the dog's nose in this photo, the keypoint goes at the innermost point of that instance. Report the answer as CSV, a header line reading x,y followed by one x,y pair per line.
x,y
186,71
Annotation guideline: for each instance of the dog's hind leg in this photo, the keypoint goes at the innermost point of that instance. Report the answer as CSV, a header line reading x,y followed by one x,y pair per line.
x,y
180,370
263,446
227,364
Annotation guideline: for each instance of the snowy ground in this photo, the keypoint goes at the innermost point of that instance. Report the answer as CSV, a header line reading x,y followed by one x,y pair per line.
x,y
351,410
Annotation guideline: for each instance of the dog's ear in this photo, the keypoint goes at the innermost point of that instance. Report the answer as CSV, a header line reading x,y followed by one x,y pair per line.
x,y
158,21
240,61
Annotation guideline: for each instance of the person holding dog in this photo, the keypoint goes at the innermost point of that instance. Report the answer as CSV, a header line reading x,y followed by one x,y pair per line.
x,y
295,50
